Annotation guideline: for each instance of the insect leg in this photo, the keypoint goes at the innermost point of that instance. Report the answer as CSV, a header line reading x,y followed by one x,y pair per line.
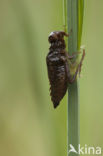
x,y
73,55
72,64
71,78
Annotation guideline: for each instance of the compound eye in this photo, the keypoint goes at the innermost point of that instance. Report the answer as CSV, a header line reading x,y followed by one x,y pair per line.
x,y
51,39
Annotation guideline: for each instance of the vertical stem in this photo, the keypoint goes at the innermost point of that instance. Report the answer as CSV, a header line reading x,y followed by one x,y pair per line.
x,y
74,16
73,101
73,118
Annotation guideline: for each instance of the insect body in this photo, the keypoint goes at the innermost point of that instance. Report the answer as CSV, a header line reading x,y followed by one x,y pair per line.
x,y
58,67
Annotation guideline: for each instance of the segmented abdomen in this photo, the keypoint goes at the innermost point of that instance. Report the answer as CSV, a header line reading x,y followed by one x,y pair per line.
x,y
57,77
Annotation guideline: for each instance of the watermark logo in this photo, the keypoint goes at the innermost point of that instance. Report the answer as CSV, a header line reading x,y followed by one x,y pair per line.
x,y
85,150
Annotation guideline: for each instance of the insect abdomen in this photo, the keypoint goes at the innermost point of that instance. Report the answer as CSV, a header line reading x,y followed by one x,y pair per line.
x,y
57,78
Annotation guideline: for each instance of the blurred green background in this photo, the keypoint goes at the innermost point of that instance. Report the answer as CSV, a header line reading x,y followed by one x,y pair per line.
x,y
29,126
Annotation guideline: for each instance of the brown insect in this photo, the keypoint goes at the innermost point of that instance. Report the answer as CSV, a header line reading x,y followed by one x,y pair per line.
x,y
58,66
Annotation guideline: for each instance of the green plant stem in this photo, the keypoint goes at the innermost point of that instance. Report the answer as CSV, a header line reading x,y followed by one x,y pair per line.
x,y
74,22
73,103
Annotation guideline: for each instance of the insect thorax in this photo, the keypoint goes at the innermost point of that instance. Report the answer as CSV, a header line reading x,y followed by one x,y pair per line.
x,y
58,45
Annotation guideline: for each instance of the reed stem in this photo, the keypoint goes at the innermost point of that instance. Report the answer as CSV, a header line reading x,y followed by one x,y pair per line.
x,y
74,23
